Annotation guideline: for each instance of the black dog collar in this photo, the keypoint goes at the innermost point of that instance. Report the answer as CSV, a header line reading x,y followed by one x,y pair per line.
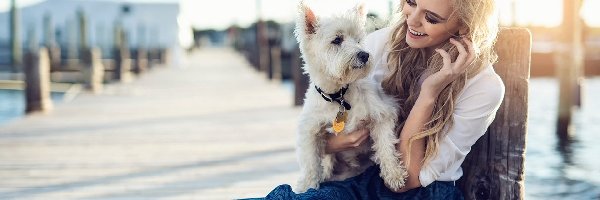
x,y
337,96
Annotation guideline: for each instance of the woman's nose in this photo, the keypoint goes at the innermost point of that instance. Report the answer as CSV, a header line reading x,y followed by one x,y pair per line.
x,y
412,19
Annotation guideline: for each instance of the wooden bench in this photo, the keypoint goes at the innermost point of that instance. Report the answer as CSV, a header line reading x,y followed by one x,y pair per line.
x,y
494,167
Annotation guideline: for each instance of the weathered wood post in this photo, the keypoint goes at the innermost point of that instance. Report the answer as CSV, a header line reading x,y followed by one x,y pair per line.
x,y
37,81
164,55
141,60
153,45
300,79
93,69
122,71
494,168
50,43
252,47
236,37
275,56
91,59
263,47
153,57
141,55
274,72
262,40
83,34
15,40
569,59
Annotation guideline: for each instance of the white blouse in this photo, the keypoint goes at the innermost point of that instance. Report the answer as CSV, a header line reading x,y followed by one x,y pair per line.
x,y
474,111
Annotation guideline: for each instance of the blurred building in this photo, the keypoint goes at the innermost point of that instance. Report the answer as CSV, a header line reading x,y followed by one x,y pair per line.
x,y
148,25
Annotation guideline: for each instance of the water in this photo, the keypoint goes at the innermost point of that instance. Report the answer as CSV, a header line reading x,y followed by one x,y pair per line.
x,y
12,104
554,171
551,171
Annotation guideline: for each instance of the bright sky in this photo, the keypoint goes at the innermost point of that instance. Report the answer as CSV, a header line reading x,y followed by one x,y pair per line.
x,y
222,13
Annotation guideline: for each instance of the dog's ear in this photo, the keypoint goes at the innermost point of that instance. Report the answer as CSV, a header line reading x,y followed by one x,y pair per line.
x,y
307,21
361,12
361,9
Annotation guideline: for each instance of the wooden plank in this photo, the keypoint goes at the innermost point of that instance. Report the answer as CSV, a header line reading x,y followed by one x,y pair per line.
x,y
494,167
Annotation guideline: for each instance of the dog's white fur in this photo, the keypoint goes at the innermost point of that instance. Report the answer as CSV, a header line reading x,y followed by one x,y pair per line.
x,y
331,67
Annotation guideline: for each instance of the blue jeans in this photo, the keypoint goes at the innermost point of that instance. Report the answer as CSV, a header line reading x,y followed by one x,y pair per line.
x,y
367,185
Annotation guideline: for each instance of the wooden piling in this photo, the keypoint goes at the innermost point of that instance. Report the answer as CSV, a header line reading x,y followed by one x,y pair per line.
x,y
37,81
494,168
15,41
164,56
300,79
274,43
122,70
50,43
569,59
93,70
91,58
141,61
262,46
83,33
121,55
153,57
275,63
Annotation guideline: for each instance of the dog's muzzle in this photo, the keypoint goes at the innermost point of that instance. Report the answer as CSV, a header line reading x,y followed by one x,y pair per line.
x,y
361,59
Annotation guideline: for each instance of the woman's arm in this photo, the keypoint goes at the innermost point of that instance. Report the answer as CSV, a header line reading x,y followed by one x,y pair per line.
x,y
418,116
421,111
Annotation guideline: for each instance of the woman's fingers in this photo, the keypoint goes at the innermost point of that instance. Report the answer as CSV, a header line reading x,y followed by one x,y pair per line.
x,y
471,50
462,52
360,136
469,44
445,57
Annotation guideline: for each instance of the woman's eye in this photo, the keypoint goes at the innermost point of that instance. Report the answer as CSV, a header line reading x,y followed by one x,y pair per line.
x,y
431,20
338,40
411,3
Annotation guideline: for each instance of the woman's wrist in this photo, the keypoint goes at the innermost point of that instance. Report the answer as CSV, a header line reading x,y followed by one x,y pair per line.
x,y
423,106
426,98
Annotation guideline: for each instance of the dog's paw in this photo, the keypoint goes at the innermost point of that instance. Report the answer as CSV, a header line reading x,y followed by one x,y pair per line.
x,y
394,178
304,185
394,182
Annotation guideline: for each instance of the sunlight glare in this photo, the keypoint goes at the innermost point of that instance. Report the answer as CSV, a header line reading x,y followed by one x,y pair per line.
x,y
547,13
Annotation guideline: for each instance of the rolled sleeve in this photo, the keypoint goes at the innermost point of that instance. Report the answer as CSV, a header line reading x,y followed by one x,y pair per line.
x,y
474,111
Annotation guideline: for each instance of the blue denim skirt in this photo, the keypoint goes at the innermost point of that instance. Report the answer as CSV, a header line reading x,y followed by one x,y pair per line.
x,y
368,185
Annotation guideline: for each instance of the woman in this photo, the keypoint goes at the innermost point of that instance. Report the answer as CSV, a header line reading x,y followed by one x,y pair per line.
x,y
437,59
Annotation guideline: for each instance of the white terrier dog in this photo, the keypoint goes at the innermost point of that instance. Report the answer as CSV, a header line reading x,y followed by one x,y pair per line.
x,y
340,95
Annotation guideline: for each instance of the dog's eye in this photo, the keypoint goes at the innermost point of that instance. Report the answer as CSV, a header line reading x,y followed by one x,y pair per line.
x,y
338,40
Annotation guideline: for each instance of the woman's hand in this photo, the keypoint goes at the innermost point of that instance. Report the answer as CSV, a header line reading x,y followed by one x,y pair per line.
x,y
436,82
342,142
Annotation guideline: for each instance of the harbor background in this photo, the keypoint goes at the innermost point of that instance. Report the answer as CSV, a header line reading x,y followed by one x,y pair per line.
x,y
553,169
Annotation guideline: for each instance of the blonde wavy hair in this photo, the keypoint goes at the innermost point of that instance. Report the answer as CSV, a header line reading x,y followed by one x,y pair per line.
x,y
408,66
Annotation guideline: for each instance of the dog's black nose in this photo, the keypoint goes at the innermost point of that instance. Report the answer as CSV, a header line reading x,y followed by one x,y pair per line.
x,y
363,56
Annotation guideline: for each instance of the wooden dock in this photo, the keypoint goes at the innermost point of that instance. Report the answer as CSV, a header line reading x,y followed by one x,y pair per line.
x,y
209,128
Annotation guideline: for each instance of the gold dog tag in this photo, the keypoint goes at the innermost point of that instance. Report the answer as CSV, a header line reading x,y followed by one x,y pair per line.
x,y
339,122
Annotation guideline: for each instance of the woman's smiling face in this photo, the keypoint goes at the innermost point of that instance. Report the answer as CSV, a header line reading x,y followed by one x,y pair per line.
x,y
430,22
